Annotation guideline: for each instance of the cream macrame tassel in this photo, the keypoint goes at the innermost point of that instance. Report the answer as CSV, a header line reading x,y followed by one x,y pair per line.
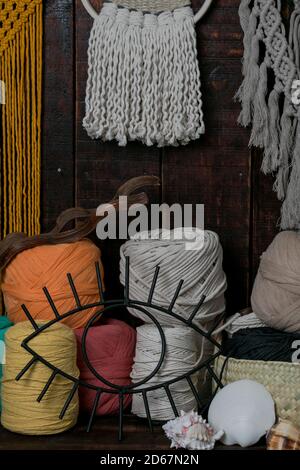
x,y
143,78
275,127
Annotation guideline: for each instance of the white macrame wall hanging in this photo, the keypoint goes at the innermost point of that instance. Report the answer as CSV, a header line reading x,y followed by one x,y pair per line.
x,y
143,73
270,96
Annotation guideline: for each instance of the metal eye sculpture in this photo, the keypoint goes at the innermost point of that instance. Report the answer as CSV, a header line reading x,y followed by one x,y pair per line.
x,y
121,391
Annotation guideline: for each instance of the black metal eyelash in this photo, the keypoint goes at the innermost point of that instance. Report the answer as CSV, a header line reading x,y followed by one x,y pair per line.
x,y
107,305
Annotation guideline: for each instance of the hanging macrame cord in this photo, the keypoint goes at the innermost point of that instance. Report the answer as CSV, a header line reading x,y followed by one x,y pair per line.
x,y
143,73
273,114
21,25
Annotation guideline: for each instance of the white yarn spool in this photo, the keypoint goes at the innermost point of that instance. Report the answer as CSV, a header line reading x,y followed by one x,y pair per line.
x,y
182,355
201,270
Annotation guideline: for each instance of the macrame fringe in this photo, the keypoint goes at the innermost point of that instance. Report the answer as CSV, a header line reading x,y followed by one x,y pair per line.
x,y
246,91
271,154
273,129
143,78
287,140
290,214
260,132
21,71
250,85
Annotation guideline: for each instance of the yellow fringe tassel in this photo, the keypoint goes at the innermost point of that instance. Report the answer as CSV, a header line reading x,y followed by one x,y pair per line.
x,y
21,36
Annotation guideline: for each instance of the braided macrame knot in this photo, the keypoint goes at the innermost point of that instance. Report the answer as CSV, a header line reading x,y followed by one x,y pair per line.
x,y
13,15
152,21
109,9
136,19
296,92
274,127
297,4
182,13
123,17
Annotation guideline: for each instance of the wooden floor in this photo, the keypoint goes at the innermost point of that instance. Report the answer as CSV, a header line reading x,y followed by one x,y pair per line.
x,y
103,437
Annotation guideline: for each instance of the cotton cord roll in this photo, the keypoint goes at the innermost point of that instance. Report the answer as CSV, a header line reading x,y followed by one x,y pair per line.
x,y
110,348
238,322
47,266
21,413
5,324
276,293
200,269
261,344
181,356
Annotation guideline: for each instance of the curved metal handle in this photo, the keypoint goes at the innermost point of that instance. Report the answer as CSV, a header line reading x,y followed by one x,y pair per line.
x,y
198,15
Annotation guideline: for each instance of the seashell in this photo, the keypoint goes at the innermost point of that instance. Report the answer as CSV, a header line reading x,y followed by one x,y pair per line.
x,y
190,431
284,436
244,410
200,431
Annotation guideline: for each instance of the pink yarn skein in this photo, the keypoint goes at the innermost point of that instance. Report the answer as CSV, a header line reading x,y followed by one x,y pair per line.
x,y
110,348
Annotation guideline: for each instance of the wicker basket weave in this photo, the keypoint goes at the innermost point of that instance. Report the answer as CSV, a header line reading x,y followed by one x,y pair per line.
x,y
282,379
153,6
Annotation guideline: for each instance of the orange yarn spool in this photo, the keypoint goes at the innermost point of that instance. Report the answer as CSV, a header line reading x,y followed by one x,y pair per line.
x,y
47,266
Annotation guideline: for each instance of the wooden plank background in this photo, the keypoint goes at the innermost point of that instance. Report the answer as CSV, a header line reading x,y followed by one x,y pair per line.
x,y
218,170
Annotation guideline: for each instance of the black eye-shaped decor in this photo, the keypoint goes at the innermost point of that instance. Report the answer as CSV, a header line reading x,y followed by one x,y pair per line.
x,y
121,391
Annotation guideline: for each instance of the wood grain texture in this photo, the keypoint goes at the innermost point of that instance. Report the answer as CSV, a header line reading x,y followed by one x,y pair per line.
x,y
58,111
103,437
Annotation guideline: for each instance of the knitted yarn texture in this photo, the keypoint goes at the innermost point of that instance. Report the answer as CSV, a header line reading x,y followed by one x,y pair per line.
x,y
203,276
182,355
201,271
143,75
21,412
272,58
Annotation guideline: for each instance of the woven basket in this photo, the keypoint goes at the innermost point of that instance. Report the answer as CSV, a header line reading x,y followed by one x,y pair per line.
x,y
281,379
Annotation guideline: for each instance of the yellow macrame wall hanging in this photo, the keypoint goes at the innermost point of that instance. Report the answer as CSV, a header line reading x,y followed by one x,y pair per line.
x,y
21,29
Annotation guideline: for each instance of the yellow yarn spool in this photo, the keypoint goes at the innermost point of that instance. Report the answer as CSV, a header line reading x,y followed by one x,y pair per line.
x,y
21,412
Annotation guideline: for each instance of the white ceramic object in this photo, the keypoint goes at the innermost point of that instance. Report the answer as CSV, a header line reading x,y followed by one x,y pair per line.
x,y
244,410
201,12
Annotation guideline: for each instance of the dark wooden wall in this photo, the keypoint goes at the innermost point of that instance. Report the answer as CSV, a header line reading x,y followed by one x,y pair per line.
x,y
218,170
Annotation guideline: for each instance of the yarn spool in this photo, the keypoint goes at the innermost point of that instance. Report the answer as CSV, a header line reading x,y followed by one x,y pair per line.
x,y
47,266
239,322
21,413
202,273
110,349
182,355
261,344
200,269
5,324
276,293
